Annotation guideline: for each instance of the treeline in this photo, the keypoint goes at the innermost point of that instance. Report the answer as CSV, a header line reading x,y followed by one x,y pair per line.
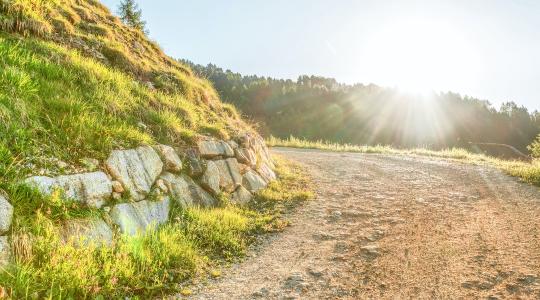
x,y
320,108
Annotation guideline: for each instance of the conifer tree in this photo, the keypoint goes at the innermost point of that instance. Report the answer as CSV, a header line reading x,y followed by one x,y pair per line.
x,y
131,15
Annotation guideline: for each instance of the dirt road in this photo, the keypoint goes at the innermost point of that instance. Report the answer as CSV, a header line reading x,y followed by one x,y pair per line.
x,y
397,227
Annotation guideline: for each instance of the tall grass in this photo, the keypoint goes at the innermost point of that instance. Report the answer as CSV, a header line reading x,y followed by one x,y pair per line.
x,y
527,172
55,103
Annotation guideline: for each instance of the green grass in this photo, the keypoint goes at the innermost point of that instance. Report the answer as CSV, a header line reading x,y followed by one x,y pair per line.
x,y
158,263
55,103
527,172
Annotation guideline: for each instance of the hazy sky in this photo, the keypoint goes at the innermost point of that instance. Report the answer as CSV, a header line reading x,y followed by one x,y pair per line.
x,y
487,49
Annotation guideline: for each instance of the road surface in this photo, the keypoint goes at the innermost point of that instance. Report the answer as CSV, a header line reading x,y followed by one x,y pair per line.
x,y
387,227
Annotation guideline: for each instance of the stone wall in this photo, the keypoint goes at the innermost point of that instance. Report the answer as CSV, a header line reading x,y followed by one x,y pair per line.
x,y
135,187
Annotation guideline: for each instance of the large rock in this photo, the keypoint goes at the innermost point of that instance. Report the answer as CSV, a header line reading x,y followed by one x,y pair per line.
x,y
241,196
169,157
212,149
6,214
229,174
253,181
210,179
139,217
5,251
266,172
84,232
186,192
92,189
195,165
246,156
136,169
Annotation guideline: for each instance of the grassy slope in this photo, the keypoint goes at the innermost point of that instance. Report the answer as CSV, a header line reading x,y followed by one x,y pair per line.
x,y
528,172
76,83
65,94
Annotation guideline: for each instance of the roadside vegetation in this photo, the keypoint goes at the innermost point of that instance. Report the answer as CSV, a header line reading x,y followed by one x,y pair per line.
x,y
196,243
527,171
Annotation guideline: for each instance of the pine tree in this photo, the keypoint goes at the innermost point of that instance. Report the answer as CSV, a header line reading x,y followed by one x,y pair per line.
x,y
131,15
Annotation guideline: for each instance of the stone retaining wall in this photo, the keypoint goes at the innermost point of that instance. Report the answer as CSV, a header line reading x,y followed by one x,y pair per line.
x,y
135,187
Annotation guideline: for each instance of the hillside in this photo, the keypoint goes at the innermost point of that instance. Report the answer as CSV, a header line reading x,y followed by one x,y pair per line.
x,y
122,174
75,82
318,108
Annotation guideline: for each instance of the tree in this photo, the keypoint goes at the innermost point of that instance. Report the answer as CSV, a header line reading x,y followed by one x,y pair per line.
x,y
131,15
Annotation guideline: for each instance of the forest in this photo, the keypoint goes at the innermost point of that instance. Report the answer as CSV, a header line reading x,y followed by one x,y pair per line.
x,y
316,108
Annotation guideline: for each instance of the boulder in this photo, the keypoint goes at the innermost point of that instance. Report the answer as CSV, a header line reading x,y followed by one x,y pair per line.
x,y
253,181
186,192
6,214
45,185
92,189
139,217
84,232
241,196
136,169
169,157
210,179
266,172
212,149
233,144
243,168
229,174
5,251
195,166
246,156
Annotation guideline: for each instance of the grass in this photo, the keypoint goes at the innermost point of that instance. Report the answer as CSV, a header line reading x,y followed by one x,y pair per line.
x,y
55,103
527,172
151,265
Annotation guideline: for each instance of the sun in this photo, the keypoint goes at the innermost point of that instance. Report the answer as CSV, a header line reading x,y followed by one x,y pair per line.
x,y
419,56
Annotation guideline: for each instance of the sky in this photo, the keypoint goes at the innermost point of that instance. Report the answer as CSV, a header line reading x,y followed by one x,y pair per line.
x,y
487,49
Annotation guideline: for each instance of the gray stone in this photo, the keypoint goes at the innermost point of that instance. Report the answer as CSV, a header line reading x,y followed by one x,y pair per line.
x,y
233,144
229,173
139,217
210,178
212,149
92,189
195,166
6,214
253,182
246,156
85,232
186,192
241,196
136,169
43,184
243,168
266,172
169,157
5,251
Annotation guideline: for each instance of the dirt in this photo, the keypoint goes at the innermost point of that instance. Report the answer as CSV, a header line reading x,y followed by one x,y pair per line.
x,y
386,227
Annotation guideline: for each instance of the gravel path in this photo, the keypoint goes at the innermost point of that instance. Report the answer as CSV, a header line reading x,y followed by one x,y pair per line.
x,y
397,227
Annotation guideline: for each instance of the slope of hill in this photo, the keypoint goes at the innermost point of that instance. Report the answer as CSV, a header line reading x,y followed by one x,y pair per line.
x,y
318,108
122,174
75,82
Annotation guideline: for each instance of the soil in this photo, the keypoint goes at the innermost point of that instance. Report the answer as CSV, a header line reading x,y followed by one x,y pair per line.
x,y
386,227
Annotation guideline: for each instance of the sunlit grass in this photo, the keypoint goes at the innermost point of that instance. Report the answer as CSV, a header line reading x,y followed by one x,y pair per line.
x,y
155,264
528,172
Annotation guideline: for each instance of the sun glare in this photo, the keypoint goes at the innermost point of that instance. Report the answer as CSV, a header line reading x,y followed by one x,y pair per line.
x,y
420,56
